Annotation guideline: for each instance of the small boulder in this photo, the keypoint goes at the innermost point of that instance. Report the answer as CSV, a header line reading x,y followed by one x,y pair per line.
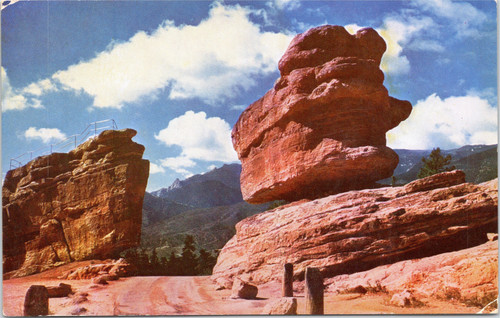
x,y
100,280
403,299
242,289
63,290
36,302
78,298
78,311
110,277
283,306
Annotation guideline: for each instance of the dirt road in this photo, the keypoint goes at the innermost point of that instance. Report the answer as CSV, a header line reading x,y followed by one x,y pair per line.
x,y
164,296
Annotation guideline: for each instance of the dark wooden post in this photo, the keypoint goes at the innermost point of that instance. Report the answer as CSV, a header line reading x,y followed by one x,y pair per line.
x,y
36,302
288,280
314,292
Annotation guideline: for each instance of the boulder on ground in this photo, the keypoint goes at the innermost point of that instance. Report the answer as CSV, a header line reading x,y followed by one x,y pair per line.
x,y
404,299
100,280
282,306
242,289
63,290
36,302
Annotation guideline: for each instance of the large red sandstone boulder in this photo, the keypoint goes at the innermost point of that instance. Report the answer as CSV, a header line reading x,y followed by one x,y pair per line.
x,y
321,129
359,230
73,206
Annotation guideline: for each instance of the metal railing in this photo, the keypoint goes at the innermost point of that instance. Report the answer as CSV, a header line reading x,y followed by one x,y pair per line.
x,y
67,144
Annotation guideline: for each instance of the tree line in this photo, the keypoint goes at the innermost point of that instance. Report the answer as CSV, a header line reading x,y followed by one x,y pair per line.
x,y
189,263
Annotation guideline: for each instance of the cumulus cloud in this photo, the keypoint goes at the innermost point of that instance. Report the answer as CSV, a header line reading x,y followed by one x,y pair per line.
x,y
401,33
154,168
13,99
211,61
464,16
200,138
285,4
447,123
46,135
39,88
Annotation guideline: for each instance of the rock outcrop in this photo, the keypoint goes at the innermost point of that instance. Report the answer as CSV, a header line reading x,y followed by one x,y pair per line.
x,y
359,230
469,276
74,206
321,129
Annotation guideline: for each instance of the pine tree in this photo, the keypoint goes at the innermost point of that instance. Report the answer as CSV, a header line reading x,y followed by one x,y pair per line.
x,y
188,259
436,163
206,263
173,265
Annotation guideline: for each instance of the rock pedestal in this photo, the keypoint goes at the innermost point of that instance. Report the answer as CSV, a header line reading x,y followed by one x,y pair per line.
x,y
359,230
73,206
321,129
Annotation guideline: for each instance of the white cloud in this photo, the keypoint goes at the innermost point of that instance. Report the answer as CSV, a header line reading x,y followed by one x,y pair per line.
x,y
212,61
200,138
13,99
285,4
238,107
44,134
398,33
446,123
154,168
178,164
211,167
39,88
402,33
463,16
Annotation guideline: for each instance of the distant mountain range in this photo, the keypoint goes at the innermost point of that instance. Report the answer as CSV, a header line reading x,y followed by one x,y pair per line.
x,y
209,205
206,206
479,162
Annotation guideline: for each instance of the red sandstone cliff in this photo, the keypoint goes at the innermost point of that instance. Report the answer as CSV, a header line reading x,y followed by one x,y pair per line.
x,y
73,206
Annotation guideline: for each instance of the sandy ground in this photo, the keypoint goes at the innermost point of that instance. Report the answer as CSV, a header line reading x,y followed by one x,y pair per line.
x,y
191,296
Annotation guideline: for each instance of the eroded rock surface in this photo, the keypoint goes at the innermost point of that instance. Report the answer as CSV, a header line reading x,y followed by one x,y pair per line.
x,y
73,206
321,129
469,275
359,230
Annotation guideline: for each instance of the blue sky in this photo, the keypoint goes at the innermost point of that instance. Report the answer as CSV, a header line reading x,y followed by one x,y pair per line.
x,y
181,72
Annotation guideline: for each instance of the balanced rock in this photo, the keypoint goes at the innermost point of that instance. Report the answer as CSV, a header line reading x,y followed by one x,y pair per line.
x,y
242,289
321,129
65,207
359,230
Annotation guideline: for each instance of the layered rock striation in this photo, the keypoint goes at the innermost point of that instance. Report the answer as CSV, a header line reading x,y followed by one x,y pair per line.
x,y
74,206
321,129
469,276
358,230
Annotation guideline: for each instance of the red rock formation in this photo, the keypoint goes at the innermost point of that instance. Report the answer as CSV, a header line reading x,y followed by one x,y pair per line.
x,y
321,129
359,230
73,206
469,275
